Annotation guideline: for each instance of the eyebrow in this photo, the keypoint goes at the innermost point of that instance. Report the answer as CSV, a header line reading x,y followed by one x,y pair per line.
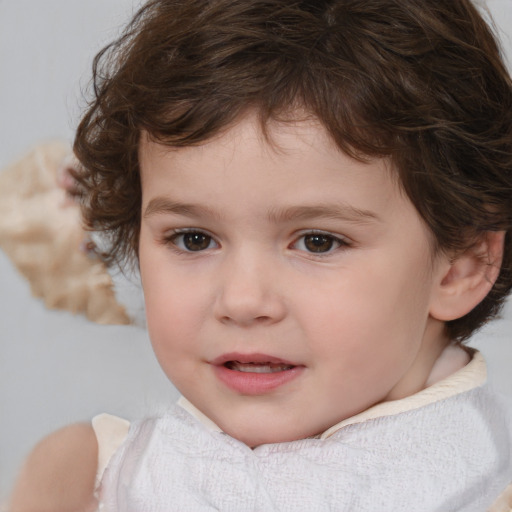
x,y
162,205
336,211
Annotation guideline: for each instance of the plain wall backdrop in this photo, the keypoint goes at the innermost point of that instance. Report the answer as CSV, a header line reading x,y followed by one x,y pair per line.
x,y
57,368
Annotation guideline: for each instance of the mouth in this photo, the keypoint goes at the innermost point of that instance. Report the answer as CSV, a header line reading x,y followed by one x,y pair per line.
x,y
253,363
237,366
255,374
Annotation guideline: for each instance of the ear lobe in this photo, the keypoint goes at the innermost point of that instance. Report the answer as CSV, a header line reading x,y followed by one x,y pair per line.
x,y
465,280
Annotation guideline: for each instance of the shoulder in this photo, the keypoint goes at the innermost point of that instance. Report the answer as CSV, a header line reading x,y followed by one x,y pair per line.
x,y
59,474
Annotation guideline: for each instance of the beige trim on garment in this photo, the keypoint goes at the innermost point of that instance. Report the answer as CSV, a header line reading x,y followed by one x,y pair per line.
x,y
111,431
474,374
198,415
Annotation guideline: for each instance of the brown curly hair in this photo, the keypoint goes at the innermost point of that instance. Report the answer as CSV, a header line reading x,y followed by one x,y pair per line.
x,y
419,81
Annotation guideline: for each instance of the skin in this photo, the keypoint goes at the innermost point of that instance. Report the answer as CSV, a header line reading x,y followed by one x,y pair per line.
x,y
59,474
299,253
356,318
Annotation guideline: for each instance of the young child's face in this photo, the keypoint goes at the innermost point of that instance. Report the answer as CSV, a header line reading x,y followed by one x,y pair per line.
x,y
287,285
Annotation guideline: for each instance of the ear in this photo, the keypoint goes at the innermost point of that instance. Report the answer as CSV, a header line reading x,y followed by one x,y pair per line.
x,y
464,280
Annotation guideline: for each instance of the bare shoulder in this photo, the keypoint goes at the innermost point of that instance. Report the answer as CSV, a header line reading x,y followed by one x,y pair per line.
x,y
59,474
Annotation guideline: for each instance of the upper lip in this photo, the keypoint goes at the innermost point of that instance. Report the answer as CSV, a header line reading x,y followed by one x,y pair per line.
x,y
250,358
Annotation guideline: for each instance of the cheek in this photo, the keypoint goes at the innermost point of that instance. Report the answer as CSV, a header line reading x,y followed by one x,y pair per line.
x,y
176,309
366,311
171,313
172,327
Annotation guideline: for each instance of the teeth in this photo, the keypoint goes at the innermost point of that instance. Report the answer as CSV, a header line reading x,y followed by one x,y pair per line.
x,y
257,367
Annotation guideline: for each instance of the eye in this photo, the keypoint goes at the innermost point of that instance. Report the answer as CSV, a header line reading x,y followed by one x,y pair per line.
x,y
319,243
192,241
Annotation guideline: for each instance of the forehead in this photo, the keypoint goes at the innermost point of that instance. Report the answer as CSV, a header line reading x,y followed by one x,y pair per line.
x,y
292,171
299,135
286,160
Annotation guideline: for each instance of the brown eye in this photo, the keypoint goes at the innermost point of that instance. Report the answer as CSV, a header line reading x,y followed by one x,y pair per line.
x,y
192,242
319,243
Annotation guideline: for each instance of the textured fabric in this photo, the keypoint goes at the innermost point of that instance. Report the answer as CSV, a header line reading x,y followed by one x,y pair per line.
x,y
450,455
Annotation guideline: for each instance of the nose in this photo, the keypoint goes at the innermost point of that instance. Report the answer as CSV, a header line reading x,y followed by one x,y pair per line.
x,y
249,292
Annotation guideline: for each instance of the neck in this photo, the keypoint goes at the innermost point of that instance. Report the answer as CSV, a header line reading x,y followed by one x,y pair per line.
x,y
452,359
425,367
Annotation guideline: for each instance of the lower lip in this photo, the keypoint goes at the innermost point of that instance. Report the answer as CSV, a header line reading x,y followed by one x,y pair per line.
x,y
248,383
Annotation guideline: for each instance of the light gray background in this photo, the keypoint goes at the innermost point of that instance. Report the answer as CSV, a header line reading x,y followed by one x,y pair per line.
x,y
56,368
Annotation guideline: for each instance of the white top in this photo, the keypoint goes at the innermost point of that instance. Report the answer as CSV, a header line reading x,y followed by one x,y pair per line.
x,y
446,448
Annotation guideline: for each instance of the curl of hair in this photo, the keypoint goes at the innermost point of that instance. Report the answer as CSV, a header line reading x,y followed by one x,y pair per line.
x,y
421,82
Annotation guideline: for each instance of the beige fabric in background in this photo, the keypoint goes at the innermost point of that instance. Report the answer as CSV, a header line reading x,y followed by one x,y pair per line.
x,y
41,233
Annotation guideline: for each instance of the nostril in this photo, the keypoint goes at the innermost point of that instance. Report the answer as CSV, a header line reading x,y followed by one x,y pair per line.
x,y
262,318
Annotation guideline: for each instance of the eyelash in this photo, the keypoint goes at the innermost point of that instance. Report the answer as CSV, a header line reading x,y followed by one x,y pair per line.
x,y
335,241
176,241
172,239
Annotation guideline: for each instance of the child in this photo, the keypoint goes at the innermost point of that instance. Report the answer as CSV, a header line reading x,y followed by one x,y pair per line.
x,y
318,197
